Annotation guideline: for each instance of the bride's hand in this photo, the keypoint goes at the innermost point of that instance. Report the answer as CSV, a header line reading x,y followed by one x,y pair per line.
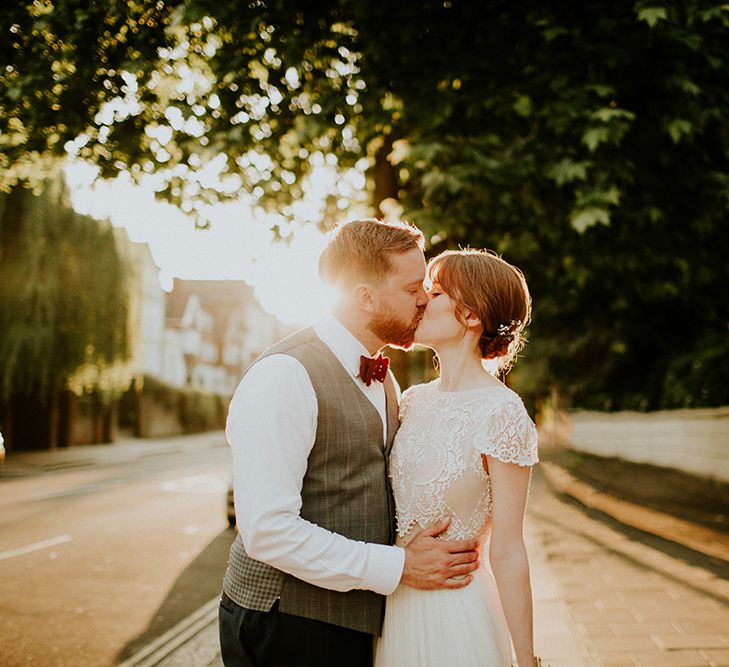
x,y
432,563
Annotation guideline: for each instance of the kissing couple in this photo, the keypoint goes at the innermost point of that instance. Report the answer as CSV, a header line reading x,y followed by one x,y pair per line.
x,y
374,527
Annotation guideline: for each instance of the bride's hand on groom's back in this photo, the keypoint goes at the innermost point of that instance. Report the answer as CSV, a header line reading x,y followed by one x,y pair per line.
x,y
432,563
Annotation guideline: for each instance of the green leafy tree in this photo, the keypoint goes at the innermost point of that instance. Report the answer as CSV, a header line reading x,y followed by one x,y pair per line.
x,y
61,61
586,142
63,301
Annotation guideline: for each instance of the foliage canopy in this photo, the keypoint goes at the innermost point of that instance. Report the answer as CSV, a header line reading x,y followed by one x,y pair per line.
x,y
587,142
64,303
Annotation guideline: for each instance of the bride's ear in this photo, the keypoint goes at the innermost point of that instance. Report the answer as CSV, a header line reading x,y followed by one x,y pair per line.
x,y
471,321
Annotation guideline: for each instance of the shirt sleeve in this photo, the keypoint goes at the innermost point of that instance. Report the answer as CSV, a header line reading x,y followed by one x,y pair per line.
x,y
509,434
271,429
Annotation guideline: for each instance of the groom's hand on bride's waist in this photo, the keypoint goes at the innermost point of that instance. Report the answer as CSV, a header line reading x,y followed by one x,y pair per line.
x,y
433,563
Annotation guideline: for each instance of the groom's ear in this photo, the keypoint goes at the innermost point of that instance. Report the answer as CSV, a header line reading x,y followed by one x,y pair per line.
x,y
363,297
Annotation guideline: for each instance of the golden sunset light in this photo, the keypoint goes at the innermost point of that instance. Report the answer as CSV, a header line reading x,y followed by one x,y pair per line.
x,y
237,245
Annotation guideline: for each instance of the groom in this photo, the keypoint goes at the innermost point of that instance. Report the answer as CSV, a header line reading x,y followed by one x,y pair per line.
x,y
310,427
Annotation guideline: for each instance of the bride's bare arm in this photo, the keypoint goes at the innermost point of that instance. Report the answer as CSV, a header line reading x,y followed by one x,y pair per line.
x,y
508,556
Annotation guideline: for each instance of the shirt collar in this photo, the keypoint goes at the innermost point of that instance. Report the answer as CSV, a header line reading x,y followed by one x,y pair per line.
x,y
342,342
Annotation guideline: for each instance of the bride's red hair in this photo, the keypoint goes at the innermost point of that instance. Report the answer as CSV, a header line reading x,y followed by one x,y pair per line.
x,y
495,292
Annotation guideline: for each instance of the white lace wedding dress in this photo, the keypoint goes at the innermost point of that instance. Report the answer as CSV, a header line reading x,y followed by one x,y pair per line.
x,y
436,468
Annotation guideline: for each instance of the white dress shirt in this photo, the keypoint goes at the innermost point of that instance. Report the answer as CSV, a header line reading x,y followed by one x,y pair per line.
x,y
271,429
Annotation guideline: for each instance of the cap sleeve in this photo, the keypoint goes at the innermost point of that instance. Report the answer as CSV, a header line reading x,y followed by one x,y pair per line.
x,y
405,399
509,435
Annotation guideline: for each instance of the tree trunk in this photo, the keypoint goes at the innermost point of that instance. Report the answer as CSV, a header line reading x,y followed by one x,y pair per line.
x,y
6,426
387,187
111,422
67,414
399,364
53,420
140,427
385,176
98,420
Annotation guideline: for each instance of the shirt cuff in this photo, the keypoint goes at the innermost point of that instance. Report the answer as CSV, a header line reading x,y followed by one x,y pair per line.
x,y
384,568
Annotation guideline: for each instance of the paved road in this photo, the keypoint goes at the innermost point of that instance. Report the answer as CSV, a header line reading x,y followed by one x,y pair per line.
x,y
97,561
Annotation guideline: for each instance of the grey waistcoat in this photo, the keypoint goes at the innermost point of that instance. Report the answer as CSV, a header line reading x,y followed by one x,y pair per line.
x,y
346,490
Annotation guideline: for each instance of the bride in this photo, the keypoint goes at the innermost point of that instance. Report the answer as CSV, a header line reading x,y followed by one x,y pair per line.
x,y
465,450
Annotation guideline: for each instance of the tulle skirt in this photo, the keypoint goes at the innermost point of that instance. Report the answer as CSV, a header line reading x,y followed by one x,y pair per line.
x,y
464,627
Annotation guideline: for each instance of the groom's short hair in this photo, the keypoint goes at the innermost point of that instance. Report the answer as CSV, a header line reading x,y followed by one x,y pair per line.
x,y
361,249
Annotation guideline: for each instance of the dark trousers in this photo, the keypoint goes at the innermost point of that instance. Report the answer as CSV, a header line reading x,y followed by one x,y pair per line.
x,y
251,638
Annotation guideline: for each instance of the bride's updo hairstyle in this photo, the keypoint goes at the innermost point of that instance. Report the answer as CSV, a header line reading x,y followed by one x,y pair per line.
x,y
493,290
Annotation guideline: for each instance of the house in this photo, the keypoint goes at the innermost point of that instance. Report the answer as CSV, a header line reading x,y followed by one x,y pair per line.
x,y
156,353
220,328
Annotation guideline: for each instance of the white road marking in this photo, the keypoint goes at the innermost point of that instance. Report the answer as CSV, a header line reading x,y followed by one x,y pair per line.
x,y
204,483
36,546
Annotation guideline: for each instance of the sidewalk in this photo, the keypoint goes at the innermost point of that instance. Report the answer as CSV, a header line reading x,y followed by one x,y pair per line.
x,y
124,450
669,493
192,643
701,539
634,605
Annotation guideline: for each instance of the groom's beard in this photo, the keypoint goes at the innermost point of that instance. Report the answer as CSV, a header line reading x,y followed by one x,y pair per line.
x,y
390,329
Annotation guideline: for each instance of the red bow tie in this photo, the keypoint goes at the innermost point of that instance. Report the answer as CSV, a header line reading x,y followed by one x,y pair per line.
x,y
373,369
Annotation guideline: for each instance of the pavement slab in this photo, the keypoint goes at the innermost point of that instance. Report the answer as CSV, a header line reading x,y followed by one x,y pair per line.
x,y
203,650
633,604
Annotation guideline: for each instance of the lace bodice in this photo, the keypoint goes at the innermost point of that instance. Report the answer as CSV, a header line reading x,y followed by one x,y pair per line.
x,y
435,463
